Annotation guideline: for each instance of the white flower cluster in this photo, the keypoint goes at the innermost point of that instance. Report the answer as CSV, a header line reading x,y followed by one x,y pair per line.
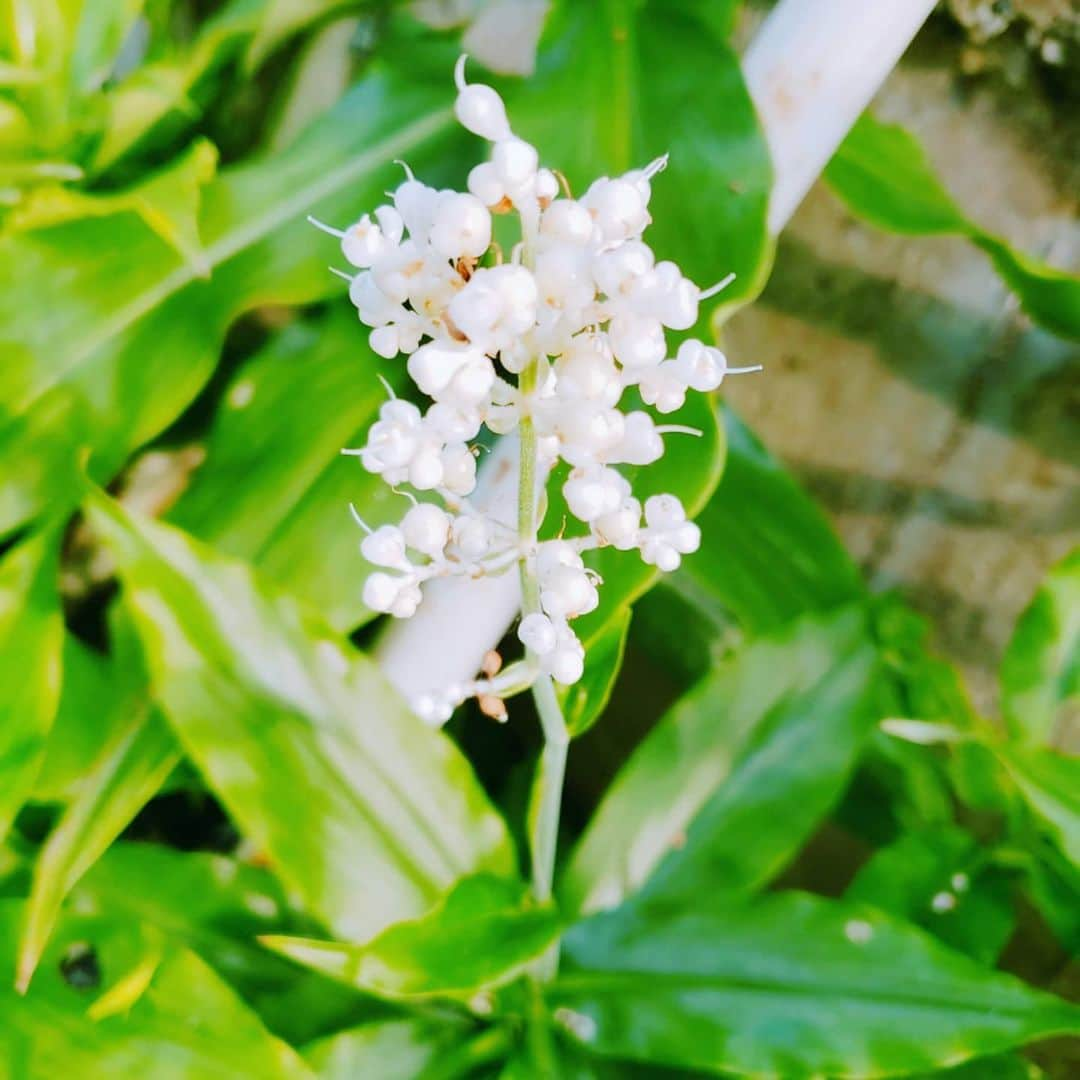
x,y
582,303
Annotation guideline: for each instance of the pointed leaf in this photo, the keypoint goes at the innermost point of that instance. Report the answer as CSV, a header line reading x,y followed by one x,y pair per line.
x,y
482,935
117,785
882,174
1040,671
1050,783
382,815
31,646
793,985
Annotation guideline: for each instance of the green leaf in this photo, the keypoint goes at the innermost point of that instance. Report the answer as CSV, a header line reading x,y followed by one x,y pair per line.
x,y
389,1050
585,700
733,780
216,906
599,106
167,201
81,378
792,985
275,488
160,1011
117,785
382,814
768,553
939,879
484,934
883,175
1040,671
1050,784
31,647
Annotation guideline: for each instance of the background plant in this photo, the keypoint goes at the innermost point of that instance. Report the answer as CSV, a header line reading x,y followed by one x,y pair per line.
x,y
229,848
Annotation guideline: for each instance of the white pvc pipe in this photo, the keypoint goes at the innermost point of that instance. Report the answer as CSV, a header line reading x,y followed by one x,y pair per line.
x,y
811,69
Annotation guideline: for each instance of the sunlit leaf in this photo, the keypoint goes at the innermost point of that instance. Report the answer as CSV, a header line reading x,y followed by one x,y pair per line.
x,y
31,647
883,174
116,786
730,784
1050,783
369,815
167,201
792,985
484,934
81,376
1040,671
178,1020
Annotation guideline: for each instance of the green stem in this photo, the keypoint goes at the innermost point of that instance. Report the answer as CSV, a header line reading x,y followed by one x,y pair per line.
x,y
549,785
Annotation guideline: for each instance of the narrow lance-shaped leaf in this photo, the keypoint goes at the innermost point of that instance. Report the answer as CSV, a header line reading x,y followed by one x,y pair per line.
x,y
383,814
792,985
484,934
117,785
882,174
31,646
733,780
1040,671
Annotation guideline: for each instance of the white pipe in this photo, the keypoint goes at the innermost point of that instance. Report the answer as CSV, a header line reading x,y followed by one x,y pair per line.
x,y
811,69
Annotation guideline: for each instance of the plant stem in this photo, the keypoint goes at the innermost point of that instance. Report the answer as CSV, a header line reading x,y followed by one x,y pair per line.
x,y
549,784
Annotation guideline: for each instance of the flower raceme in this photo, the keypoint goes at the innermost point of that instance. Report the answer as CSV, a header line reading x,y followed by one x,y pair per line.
x,y
547,340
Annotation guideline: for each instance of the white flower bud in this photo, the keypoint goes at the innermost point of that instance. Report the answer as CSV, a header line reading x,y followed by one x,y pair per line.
x,y
385,547
660,554
664,511
516,162
700,367
381,591
459,469
566,221
568,592
384,342
663,387
537,633
433,366
471,536
594,490
407,601
479,109
416,203
555,553
462,227
637,341
425,470
620,528
426,528
641,443
485,183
